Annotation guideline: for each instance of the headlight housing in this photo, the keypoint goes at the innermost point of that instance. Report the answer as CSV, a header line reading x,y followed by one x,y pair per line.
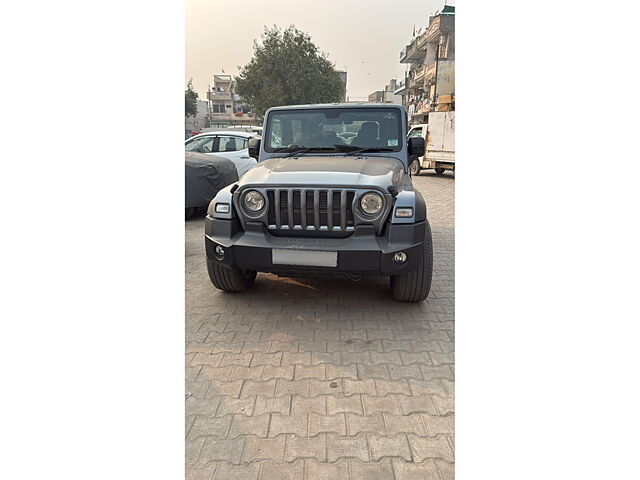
x,y
371,203
253,201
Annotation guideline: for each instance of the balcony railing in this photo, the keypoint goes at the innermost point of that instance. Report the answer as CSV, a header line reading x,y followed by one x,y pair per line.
x,y
220,95
430,71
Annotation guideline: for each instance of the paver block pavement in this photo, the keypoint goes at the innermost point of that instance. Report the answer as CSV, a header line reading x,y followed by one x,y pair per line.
x,y
317,379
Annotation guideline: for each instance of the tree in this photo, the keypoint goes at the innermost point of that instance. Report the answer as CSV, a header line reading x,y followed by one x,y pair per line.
x,y
287,69
190,100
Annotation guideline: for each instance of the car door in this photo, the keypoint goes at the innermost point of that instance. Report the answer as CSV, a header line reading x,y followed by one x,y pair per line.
x,y
419,131
236,149
204,144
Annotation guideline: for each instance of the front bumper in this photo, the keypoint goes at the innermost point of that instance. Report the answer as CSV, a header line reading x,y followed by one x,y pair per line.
x,y
362,253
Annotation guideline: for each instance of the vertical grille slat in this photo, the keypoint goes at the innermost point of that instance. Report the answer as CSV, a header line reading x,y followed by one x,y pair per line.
x,y
330,209
316,209
310,210
343,209
290,208
303,209
277,208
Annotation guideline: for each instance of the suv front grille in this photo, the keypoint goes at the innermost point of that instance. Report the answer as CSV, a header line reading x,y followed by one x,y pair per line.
x,y
310,210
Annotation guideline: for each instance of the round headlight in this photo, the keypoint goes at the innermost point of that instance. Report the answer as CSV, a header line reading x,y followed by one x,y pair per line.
x,y
254,201
371,203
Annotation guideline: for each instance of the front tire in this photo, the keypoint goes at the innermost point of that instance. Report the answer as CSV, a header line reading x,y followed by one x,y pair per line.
x,y
439,171
414,168
230,279
414,286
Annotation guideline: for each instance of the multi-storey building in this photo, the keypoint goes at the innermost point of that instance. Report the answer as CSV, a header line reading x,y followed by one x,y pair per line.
x,y
387,95
431,74
225,106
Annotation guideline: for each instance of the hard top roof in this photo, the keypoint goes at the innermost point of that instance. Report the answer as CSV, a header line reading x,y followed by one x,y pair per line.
x,y
337,105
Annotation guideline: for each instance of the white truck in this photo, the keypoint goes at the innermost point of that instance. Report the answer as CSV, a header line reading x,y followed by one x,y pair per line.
x,y
439,135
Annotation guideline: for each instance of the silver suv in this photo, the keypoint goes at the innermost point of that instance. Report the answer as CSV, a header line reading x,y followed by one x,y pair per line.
x,y
331,194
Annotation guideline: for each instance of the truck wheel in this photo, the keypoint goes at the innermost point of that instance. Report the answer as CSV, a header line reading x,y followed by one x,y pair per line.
x,y
414,168
414,286
230,279
439,171
188,212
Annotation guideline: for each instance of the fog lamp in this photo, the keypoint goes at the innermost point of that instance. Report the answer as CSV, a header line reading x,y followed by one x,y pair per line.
x,y
400,257
219,252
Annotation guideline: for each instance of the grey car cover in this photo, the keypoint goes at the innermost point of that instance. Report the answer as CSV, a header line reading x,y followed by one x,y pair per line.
x,y
205,175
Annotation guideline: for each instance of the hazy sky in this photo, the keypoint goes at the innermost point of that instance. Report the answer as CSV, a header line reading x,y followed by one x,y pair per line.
x,y
364,37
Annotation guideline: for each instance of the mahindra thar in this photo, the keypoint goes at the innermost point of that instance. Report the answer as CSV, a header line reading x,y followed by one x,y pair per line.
x,y
331,194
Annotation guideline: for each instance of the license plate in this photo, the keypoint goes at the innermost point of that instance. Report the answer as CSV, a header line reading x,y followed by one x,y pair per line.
x,y
311,258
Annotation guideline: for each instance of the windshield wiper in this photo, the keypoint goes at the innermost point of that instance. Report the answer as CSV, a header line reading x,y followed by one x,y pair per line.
x,y
307,149
369,149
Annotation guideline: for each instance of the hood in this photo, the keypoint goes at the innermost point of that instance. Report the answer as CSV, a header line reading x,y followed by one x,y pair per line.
x,y
336,171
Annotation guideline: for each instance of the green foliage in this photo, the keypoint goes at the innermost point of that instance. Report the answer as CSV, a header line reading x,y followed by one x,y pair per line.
x,y
287,69
190,101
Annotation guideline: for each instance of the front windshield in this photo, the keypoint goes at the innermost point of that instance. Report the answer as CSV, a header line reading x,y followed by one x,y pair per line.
x,y
334,129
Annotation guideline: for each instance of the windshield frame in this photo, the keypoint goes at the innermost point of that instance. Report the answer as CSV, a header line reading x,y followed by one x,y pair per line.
x,y
386,150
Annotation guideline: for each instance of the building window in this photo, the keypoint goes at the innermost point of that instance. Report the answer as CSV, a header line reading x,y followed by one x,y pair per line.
x,y
442,47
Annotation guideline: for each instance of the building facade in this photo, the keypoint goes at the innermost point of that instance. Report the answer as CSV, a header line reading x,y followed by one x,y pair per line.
x,y
200,121
387,95
226,107
343,77
430,78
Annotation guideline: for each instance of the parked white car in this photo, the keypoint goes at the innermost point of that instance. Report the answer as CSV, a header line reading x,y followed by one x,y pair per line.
x,y
232,145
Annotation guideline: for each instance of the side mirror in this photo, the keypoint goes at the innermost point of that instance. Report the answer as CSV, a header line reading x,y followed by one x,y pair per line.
x,y
417,147
254,147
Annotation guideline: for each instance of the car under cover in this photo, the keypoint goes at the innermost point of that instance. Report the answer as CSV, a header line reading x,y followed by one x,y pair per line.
x,y
205,175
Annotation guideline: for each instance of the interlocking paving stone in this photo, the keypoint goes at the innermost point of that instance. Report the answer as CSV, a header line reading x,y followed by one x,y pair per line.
x,y
341,371
295,424
389,446
292,387
282,471
226,471
386,404
422,404
416,471
252,387
272,405
244,425
301,447
309,405
229,450
436,424
413,423
327,424
385,387
367,386
282,372
200,473
229,389
365,423
343,447
352,404
217,427
347,346
326,471
230,405
256,448
201,406
424,448
371,471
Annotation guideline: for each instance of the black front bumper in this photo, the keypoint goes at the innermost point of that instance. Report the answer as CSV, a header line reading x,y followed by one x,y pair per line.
x,y
362,253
